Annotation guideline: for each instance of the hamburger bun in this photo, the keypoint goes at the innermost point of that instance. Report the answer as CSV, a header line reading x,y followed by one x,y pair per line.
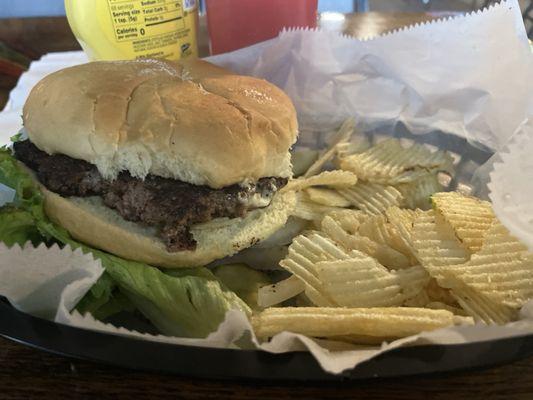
x,y
190,121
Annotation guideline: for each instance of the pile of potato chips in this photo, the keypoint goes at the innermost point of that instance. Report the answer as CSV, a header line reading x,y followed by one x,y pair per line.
x,y
389,254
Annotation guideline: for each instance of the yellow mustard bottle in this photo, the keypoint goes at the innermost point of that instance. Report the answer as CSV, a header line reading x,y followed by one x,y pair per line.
x,y
130,29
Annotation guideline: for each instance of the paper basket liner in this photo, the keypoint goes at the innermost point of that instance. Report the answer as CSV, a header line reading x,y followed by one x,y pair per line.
x,y
452,75
511,188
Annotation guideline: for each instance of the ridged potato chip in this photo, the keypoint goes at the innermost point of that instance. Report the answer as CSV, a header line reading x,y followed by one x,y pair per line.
x,y
334,178
340,277
335,322
435,305
442,255
317,298
420,300
342,136
439,294
353,241
309,210
390,163
375,228
376,265
477,304
360,281
372,198
436,245
403,221
359,145
413,281
379,229
417,194
469,217
432,294
327,197
304,254
401,218
502,270
348,219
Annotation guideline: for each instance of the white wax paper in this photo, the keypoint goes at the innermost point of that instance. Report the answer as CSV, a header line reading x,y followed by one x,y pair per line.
x,y
470,76
46,281
49,283
511,184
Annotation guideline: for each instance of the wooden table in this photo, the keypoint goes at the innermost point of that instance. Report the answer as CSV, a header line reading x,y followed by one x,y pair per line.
x,y
29,373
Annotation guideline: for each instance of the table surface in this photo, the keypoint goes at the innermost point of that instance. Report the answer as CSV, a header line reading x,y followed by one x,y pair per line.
x,y
30,373
25,372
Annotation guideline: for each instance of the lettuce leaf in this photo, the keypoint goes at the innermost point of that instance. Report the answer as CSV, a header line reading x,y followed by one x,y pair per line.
x,y
189,303
17,226
243,280
28,196
106,305
185,305
101,300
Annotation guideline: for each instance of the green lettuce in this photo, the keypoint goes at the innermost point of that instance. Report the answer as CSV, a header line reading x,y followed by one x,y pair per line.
x,y
189,303
243,280
185,305
104,299
28,196
17,226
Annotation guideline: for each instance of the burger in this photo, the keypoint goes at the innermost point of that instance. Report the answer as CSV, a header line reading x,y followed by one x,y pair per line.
x,y
172,164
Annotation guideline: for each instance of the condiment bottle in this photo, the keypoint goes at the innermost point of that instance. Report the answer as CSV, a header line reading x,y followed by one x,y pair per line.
x,y
129,29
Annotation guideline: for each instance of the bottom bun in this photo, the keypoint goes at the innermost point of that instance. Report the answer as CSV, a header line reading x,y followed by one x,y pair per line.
x,y
90,221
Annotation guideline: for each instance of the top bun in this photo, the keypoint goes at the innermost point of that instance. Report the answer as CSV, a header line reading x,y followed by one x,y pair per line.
x,y
190,121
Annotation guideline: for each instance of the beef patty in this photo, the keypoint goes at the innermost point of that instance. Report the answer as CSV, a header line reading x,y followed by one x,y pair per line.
x,y
170,205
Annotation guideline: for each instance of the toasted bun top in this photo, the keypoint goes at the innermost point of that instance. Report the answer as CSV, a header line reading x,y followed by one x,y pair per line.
x,y
190,121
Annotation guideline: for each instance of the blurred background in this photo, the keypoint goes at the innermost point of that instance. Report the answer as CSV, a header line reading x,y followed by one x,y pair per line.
x,y
34,8
40,8
31,28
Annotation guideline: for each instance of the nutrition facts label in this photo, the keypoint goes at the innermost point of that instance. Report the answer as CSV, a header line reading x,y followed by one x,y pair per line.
x,y
154,28
138,19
